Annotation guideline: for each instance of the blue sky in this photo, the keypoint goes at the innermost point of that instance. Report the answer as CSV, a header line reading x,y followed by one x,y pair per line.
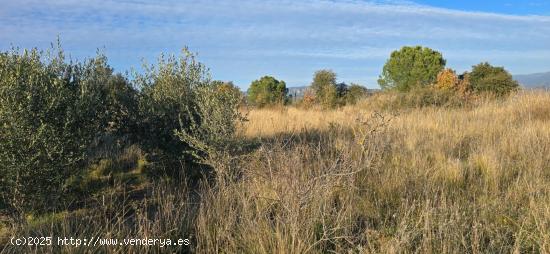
x,y
515,7
289,39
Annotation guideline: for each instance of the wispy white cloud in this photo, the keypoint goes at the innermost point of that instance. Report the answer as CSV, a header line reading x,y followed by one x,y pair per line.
x,y
290,39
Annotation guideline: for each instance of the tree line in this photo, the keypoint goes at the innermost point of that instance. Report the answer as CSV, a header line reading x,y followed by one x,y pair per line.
x,y
324,91
420,67
408,70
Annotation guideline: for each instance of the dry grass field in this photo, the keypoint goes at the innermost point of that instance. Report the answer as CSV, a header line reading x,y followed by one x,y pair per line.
x,y
436,179
352,180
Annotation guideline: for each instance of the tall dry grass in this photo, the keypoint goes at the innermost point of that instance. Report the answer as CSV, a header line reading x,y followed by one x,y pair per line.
x,y
450,179
430,180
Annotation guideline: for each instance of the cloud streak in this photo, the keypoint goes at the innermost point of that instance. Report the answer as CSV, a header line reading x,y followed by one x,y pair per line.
x,y
289,39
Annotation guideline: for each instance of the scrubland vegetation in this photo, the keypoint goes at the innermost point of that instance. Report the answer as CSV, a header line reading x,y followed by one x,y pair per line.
x,y
443,168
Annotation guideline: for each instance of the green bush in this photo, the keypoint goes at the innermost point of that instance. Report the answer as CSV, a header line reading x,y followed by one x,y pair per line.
x,y
216,115
353,94
183,112
325,88
48,118
330,94
428,96
57,118
165,102
496,80
416,98
267,91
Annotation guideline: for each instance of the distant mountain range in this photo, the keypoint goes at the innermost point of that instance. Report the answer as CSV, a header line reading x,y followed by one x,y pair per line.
x,y
536,80
299,91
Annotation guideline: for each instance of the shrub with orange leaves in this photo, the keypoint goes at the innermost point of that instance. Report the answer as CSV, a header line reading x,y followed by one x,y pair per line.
x,y
447,79
464,87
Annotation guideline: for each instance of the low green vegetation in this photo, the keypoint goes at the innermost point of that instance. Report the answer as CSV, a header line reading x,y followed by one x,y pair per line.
x,y
354,93
267,91
62,122
324,86
417,77
487,78
51,111
326,92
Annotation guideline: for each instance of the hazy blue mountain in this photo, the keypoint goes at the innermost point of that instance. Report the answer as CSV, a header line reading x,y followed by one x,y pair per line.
x,y
299,91
535,80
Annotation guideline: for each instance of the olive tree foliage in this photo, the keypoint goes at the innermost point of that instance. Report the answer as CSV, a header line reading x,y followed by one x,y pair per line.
x,y
111,103
324,85
487,78
54,113
166,99
51,110
411,67
182,111
211,131
267,91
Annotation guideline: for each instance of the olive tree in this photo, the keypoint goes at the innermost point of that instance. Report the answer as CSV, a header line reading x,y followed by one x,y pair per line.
x,y
184,112
50,112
